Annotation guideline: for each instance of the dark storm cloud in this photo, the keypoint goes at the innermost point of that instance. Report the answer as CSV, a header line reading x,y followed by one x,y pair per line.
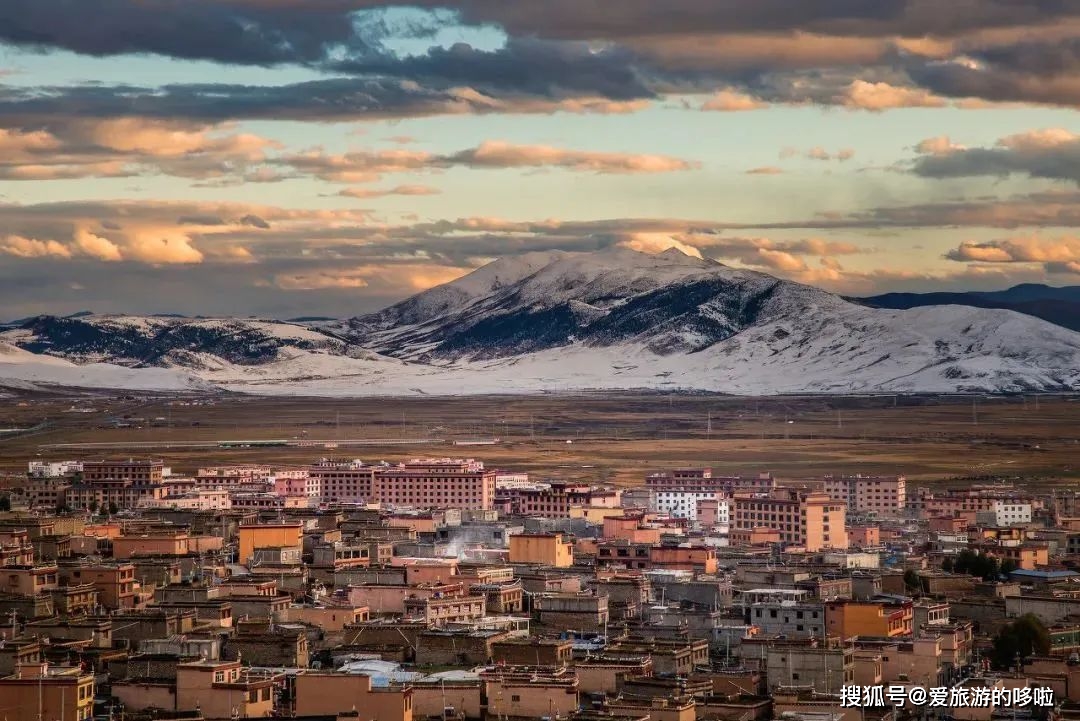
x,y
240,33
268,32
634,18
543,69
1045,154
333,99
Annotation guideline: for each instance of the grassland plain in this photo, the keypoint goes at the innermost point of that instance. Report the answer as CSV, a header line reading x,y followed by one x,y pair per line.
x,y
615,438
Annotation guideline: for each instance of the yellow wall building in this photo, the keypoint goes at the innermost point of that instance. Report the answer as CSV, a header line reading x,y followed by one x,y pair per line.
x,y
274,535
546,549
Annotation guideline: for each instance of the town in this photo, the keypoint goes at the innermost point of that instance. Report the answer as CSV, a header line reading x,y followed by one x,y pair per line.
x,y
445,589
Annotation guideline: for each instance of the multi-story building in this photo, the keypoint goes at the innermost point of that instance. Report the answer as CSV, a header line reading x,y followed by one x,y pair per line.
x,y
845,619
553,499
38,691
825,665
545,549
53,469
1006,513
803,619
217,499
123,483
343,482
876,495
683,503
435,483
808,519
140,473
298,485
701,480
115,582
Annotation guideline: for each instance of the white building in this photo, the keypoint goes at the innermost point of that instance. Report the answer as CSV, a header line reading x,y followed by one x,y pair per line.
x,y
1010,513
684,504
46,469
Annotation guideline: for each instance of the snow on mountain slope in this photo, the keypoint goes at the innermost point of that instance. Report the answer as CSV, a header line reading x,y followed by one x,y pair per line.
x,y
671,302
22,369
615,319
141,341
455,295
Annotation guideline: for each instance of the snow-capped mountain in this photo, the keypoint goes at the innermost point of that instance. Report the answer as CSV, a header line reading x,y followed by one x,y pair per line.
x,y
670,303
615,319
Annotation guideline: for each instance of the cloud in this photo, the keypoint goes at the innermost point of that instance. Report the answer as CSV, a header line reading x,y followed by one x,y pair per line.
x,y
765,170
255,33
1052,154
118,147
321,280
96,247
820,153
728,101
657,242
498,154
880,96
940,145
30,248
1028,249
383,192
368,166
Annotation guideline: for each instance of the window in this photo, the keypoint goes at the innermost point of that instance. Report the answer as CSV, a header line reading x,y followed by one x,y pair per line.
x,y
515,698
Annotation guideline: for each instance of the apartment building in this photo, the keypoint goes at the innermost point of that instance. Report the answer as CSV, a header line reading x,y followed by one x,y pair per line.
x,y
701,480
872,495
38,691
436,483
1006,513
123,483
553,499
807,519
343,482
683,503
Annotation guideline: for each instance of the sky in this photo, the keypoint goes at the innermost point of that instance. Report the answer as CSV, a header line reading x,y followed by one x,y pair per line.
x,y
288,158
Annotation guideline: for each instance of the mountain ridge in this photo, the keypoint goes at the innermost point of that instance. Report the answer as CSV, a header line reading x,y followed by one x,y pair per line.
x,y
610,320
1058,305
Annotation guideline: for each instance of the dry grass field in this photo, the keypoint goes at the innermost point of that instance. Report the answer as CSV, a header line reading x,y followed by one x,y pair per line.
x,y
613,438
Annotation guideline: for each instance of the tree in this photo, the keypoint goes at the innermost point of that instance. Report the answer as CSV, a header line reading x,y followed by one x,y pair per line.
x,y
1008,566
1026,636
947,565
113,509
5,503
912,582
976,564
93,506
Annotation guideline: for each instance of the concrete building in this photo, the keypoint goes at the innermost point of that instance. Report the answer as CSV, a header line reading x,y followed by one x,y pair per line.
x,y
845,619
38,691
881,496
343,482
701,480
683,503
530,693
435,483
806,519
577,611
330,694
788,618
256,541
825,665
1006,513
543,549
